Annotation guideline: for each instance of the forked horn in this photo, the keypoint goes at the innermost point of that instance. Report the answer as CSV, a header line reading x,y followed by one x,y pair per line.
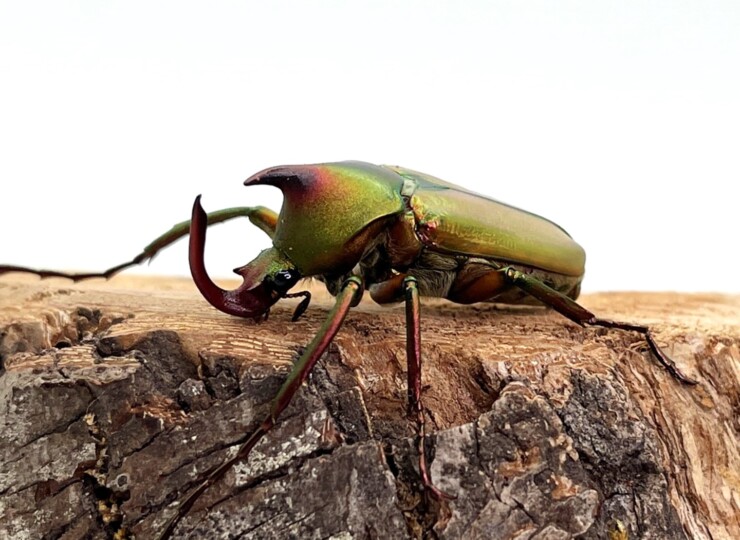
x,y
247,300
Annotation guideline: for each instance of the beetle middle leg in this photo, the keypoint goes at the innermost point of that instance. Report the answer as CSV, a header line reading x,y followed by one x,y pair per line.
x,y
406,287
580,315
413,358
263,218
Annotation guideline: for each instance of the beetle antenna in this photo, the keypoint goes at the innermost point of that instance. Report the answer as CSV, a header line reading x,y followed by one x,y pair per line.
x,y
302,306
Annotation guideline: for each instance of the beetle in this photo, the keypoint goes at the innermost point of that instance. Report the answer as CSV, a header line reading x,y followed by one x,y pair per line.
x,y
397,233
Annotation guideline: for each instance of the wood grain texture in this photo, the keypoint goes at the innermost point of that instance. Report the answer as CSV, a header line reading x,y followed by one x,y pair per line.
x,y
116,397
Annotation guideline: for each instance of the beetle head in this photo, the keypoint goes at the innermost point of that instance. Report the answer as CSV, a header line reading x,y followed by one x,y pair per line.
x,y
267,278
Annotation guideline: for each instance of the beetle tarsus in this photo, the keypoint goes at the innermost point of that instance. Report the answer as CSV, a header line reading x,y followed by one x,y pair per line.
x,y
580,315
302,306
43,274
659,354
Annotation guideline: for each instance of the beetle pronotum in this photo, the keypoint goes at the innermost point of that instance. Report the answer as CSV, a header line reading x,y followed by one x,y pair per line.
x,y
398,233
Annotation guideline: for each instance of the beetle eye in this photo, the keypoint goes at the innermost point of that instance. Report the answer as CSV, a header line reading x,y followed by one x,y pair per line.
x,y
285,279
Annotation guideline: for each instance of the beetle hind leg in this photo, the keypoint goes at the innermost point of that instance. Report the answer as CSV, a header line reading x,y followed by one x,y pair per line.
x,y
580,315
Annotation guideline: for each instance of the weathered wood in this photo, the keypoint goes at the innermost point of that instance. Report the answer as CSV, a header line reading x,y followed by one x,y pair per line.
x,y
117,397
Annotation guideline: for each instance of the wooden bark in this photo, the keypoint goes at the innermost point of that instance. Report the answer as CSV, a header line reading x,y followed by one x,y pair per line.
x,y
117,397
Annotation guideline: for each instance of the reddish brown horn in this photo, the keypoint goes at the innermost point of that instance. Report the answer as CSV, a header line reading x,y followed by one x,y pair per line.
x,y
247,300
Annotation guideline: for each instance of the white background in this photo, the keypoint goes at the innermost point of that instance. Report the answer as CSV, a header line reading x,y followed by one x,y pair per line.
x,y
618,120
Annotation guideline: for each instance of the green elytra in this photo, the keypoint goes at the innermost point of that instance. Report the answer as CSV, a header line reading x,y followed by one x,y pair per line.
x,y
400,234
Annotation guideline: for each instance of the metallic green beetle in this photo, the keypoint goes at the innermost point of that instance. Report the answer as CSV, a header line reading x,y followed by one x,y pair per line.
x,y
400,234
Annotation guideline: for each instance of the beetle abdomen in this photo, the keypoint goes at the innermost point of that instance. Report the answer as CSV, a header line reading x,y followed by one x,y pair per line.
x,y
480,282
461,279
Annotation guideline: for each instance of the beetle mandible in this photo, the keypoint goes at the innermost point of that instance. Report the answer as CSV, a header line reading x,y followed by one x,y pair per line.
x,y
398,233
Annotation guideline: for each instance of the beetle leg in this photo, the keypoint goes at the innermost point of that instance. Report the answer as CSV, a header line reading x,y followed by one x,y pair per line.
x,y
580,315
262,217
413,358
347,298
302,305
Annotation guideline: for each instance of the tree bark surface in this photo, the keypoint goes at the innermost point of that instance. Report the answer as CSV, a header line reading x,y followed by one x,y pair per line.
x,y
117,398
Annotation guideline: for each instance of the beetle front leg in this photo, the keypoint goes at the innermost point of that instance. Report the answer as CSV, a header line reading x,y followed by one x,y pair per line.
x,y
580,315
263,218
348,297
